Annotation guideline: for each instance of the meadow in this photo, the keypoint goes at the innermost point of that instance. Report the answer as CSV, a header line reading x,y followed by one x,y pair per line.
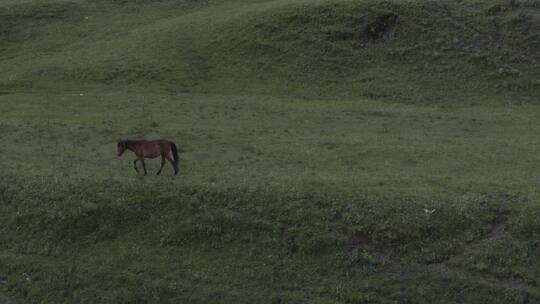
x,y
331,151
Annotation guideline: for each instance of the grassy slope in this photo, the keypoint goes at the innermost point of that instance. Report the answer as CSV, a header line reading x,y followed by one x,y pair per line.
x,y
276,47
311,147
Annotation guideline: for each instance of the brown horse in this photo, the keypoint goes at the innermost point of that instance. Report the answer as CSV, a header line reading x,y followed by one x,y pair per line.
x,y
151,149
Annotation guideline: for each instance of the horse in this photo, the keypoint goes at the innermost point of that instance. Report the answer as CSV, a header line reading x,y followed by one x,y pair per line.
x,y
151,149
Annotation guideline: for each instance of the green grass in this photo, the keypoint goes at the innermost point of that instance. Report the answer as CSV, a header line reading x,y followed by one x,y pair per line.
x,y
435,52
373,145
310,146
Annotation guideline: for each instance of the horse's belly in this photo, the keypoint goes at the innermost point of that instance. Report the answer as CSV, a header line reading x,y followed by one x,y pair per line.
x,y
152,155
152,152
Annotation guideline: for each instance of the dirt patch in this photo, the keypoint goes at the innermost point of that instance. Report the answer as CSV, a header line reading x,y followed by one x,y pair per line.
x,y
381,27
498,230
512,5
6,300
41,11
360,241
23,21
499,227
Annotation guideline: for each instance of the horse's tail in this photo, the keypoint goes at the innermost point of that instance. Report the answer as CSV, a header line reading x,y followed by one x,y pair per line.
x,y
175,156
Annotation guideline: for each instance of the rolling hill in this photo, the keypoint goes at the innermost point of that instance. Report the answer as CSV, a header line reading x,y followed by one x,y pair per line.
x,y
407,50
351,151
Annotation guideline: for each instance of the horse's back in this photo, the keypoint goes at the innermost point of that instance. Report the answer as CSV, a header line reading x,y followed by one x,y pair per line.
x,y
150,148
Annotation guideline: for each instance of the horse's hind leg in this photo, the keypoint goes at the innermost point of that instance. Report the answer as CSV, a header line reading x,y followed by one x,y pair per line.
x,y
173,164
135,165
162,164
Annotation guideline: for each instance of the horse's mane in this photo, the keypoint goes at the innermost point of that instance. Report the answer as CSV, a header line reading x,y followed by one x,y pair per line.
x,y
123,142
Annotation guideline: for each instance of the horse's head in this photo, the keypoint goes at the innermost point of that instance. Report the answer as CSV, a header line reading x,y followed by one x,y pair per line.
x,y
122,146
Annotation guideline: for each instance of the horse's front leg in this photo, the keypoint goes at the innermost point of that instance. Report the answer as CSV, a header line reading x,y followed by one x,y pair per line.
x,y
135,165
143,165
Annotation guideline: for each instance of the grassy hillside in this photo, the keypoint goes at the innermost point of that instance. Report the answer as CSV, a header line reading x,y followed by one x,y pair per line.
x,y
332,151
398,50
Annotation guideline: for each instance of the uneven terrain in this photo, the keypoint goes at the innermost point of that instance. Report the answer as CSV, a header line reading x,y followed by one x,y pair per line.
x,y
331,151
